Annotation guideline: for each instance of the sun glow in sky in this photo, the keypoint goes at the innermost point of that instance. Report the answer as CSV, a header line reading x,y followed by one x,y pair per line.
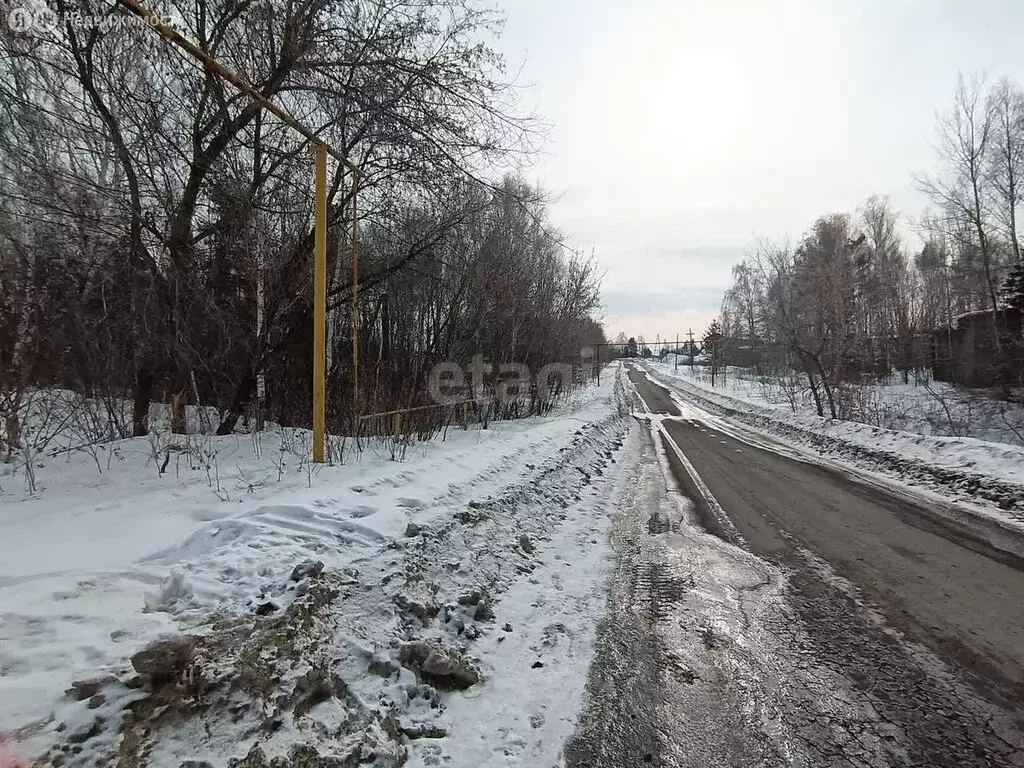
x,y
682,129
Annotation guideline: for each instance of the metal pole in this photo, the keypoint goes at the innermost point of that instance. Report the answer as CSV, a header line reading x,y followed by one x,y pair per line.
x,y
355,300
677,353
320,305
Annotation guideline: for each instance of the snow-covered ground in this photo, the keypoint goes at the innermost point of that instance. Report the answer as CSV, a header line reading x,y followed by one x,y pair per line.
x,y
922,405
968,467
376,610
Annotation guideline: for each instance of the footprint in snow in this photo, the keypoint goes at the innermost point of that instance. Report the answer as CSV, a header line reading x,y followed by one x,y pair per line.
x,y
514,747
363,511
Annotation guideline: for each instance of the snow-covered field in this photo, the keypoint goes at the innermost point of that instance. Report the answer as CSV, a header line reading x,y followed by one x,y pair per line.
x,y
922,405
967,467
376,611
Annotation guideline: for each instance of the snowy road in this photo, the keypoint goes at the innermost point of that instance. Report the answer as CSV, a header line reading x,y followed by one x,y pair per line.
x,y
825,622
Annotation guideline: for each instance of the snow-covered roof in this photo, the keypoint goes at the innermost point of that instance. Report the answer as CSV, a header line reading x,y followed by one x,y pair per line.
x,y
979,313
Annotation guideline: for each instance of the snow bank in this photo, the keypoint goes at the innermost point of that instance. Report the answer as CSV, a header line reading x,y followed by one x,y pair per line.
x,y
240,541
921,406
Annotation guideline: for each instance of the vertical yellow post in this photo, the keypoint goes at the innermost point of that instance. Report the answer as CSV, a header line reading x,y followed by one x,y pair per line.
x,y
355,300
320,305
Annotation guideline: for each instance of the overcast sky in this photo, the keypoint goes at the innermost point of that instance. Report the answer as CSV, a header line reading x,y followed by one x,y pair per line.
x,y
682,128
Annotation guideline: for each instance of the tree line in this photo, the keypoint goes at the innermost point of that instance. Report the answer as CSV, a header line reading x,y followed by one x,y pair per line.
x,y
156,226
850,299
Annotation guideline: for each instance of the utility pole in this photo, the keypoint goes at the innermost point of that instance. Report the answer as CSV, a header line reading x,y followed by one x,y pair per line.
x,y
690,334
355,305
320,304
677,352
320,151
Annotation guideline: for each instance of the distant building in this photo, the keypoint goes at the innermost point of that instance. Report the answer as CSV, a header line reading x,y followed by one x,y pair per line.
x,y
742,353
967,354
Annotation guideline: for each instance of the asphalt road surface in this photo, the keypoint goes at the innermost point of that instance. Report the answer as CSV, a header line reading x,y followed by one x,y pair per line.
x,y
874,631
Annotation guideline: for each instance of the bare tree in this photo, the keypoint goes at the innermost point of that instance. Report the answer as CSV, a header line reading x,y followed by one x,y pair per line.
x,y
963,189
165,222
1006,102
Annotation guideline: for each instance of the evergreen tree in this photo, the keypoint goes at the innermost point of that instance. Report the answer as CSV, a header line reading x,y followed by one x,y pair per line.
x,y
1013,288
712,339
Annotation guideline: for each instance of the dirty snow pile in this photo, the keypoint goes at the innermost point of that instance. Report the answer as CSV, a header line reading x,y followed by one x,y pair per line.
x,y
261,612
969,468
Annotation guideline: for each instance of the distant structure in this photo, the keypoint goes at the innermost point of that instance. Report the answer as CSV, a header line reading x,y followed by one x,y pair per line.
x,y
966,353
740,352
